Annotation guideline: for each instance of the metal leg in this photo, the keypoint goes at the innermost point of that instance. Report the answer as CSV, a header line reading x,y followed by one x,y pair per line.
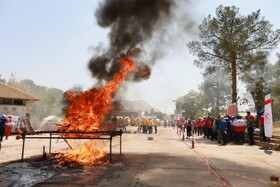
x,y
23,144
110,148
120,144
50,147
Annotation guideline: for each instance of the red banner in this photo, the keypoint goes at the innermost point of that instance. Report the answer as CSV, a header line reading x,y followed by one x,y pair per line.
x,y
231,109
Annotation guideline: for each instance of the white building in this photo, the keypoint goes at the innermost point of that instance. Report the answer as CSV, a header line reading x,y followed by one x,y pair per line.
x,y
13,101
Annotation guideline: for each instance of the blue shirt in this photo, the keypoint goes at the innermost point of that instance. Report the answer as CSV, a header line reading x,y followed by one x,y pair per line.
x,y
223,125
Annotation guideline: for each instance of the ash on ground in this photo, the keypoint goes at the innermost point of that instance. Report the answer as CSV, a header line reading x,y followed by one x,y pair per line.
x,y
24,174
37,172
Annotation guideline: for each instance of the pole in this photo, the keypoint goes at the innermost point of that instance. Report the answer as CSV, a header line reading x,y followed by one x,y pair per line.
x,y
23,144
121,144
110,148
50,147
193,142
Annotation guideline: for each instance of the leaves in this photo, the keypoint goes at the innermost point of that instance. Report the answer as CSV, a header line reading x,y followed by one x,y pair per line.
x,y
234,43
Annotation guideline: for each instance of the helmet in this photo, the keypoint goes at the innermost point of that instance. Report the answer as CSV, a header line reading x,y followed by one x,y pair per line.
x,y
4,115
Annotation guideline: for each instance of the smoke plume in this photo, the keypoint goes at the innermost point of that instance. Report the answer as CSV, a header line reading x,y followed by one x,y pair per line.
x,y
131,24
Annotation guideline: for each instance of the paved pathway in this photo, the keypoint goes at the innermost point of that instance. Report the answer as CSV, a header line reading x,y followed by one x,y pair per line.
x,y
164,161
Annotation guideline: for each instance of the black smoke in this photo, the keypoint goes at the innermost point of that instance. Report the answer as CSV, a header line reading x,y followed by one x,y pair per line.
x,y
132,23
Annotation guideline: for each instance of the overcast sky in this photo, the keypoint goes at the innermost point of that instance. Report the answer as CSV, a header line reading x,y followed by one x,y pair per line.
x,y
50,42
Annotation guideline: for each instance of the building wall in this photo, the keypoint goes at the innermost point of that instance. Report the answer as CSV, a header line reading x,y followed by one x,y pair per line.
x,y
13,110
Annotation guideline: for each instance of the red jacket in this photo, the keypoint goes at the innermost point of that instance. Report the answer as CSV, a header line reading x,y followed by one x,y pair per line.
x,y
262,120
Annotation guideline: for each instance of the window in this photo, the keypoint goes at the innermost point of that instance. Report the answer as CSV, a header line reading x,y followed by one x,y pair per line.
x,y
18,102
6,101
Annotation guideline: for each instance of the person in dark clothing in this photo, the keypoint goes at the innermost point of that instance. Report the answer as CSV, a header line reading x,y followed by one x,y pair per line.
x,y
189,128
223,130
215,129
217,123
229,129
3,121
250,127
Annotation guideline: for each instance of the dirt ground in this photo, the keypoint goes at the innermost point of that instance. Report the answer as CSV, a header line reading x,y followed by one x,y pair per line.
x,y
161,159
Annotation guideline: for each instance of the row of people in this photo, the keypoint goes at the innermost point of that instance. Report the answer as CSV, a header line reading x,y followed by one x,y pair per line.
x,y
222,129
145,125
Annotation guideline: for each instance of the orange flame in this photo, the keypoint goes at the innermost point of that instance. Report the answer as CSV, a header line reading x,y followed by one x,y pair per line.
x,y
86,112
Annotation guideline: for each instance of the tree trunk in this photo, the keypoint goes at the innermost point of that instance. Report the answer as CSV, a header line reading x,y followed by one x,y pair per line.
x,y
234,85
218,97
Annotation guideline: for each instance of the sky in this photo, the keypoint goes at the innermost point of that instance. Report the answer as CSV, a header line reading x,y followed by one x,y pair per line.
x,y
51,42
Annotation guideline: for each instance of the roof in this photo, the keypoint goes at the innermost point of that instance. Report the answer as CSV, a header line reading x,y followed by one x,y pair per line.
x,y
7,91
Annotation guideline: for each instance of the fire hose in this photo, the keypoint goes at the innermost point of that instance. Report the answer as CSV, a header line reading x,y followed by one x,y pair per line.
x,y
206,162
212,169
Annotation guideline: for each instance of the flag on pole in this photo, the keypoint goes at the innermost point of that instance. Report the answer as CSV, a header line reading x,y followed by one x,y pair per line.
x,y
268,123
249,98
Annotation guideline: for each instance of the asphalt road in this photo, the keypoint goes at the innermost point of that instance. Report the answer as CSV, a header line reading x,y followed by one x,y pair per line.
x,y
164,159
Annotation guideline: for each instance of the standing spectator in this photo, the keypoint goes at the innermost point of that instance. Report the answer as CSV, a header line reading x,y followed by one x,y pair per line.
x,y
125,123
261,124
3,121
8,126
214,134
217,123
199,126
204,127
229,129
250,127
223,130
239,126
209,124
155,123
189,128
150,125
193,127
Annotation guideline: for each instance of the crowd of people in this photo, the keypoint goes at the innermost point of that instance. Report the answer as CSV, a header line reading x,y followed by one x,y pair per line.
x,y
223,129
144,124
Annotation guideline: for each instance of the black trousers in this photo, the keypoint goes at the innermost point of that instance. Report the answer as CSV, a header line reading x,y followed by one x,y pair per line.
x,y
251,135
2,132
224,137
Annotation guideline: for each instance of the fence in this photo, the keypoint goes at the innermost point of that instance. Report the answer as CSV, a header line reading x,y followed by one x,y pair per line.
x,y
273,144
276,112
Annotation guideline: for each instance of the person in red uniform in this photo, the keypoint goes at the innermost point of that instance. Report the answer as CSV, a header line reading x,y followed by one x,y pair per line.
x,y
261,122
8,127
250,127
209,124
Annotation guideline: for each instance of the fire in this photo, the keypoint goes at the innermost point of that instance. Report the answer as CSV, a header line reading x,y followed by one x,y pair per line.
x,y
86,112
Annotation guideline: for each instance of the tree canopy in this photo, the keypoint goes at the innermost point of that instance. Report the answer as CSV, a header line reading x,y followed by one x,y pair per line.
x,y
233,43
216,91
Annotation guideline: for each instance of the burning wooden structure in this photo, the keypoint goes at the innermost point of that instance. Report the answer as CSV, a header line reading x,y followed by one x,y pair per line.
x,y
97,135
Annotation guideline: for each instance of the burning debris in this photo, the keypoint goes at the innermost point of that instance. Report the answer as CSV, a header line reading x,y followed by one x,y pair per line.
x,y
91,107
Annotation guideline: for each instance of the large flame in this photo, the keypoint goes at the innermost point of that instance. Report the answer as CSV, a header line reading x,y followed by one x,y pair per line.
x,y
86,112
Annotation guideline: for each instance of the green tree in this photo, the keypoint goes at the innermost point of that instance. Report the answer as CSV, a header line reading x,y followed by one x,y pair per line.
x,y
233,43
274,82
191,104
216,91
159,115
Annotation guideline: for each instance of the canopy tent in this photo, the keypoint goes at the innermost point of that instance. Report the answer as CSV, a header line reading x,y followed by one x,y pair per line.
x,y
50,123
